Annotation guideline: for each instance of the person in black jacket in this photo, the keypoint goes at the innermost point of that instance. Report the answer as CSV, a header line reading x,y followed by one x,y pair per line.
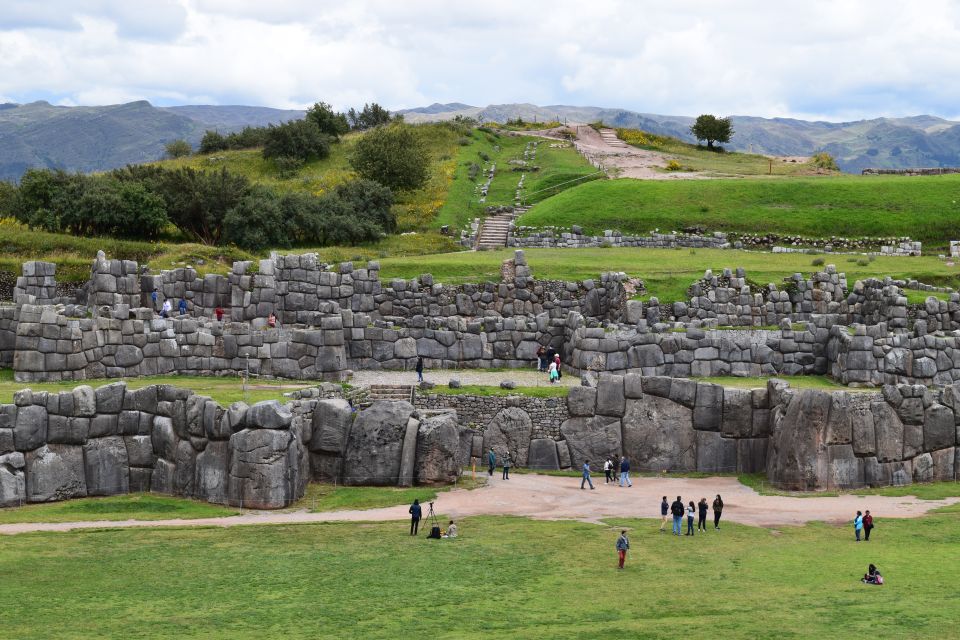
x,y
664,512
717,510
702,519
676,509
419,369
415,512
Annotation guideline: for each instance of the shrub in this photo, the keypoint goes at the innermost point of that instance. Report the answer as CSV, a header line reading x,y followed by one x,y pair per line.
x,y
258,221
393,156
369,201
673,165
862,262
198,201
301,139
178,149
212,142
824,160
817,262
287,166
372,115
327,120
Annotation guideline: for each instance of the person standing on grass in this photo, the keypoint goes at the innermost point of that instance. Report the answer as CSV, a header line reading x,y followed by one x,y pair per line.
x,y
419,368
717,510
492,461
506,466
702,520
625,471
415,512
676,509
858,525
867,525
586,475
623,545
607,469
664,513
691,512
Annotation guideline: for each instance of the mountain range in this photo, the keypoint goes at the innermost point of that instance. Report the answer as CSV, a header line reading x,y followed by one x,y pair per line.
x,y
98,138
887,143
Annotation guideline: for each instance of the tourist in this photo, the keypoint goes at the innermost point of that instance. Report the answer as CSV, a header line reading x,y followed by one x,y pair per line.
x,y
272,320
867,525
492,461
608,471
451,530
419,368
556,359
219,313
717,510
166,309
541,359
702,520
552,373
153,298
623,544
615,467
586,475
664,513
551,352
625,471
415,512
182,307
506,466
691,512
676,509
858,525
872,576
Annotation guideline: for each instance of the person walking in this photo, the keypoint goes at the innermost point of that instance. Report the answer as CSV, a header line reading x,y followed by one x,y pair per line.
x,y
556,359
419,368
492,461
664,513
415,512
506,466
858,525
541,359
182,306
676,509
867,525
702,520
623,544
608,471
625,471
586,475
552,373
691,512
717,510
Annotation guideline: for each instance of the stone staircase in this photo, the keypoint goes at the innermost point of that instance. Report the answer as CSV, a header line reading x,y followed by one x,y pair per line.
x,y
495,229
390,392
610,137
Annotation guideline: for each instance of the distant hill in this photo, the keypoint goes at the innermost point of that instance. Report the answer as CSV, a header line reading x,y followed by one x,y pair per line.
x,y
86,139
892,143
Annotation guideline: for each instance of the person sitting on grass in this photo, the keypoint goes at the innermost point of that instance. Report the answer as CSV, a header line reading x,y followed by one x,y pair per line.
x,y
451,530
872,576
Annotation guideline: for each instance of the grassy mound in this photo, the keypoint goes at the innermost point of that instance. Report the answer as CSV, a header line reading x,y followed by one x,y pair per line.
x,y
924,208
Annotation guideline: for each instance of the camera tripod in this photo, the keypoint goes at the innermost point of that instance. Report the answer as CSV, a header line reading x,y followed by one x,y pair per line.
x,y
434,523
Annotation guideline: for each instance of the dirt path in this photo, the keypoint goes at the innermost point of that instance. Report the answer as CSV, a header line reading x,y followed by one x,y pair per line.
x,y
556,498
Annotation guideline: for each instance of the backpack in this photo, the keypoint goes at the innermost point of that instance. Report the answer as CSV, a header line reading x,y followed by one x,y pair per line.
x,y
879,579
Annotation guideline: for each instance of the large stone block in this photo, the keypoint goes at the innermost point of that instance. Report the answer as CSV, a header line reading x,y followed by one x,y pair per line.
x,y
543,455
708,410
109,397
715,454
213,472
264,468
184,475
374,444
106,466
839,429
737,421
55,472
862,429
438,445
581,401
939,430
509,430
658,435
844,468
889,432
31,428
752,455
13,488
331,424
610,395
591,439
944,461
139,451
269,414
797,459
164,438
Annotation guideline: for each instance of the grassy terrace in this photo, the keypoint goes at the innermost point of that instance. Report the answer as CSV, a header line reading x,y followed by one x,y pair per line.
x,y
924,208
666,272
503,576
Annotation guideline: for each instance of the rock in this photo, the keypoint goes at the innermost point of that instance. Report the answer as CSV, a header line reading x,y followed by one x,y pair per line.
x,y
610,395
939,430
844,468
465,448
264,469
862,430
13,488
509,430
438,446
84,402
212,472
454,383
944,461
408,453
563,454
542,455
737,421
128,356
55,472
633,385
923,468
581,401
184,474
798,458
839,428
715,454
889,432
109,397
106,466
752,455
508,384
708,410
269,414
372,453
139,451
331,423
591,439
31,428
164,439
658,435
162,479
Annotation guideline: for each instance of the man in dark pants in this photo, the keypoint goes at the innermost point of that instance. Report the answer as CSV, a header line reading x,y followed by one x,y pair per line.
x,y
664,512
506,466
415,513
492,461
867,526
677,510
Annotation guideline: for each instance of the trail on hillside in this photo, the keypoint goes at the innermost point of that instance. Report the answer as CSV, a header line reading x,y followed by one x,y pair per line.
x,y
560,498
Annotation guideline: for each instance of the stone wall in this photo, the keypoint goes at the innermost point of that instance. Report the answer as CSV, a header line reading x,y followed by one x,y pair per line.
x,y
546,414
552,238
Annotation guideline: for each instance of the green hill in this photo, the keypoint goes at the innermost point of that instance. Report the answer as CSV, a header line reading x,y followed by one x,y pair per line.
x,y
924,208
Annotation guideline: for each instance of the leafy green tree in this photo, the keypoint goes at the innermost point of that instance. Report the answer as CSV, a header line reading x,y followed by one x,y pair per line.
x,y
8,199
327,120
107,206
301,139
372,115
198,201
370,201
41,197
394,156
178,149
258,221
212,142
712,129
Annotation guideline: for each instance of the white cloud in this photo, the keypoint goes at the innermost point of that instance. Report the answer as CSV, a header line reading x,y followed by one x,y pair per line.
x,y
821,58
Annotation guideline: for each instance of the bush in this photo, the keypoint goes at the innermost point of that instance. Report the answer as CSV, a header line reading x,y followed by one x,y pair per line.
x,y
862,262
372,115
824,160
393,156
817,262
198,201
327,120
178,149
212,142
258,221
370,201
673,165
300,139
287,166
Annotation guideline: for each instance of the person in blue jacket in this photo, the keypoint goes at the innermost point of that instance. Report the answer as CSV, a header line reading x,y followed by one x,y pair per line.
x,y
183,307
625,471
586,475
415,513
492,461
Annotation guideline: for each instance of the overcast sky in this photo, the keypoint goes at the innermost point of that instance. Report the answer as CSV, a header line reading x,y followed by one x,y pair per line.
x,y
829,59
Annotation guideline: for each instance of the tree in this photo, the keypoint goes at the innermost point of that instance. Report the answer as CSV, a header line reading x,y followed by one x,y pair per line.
x,y
372,115
212,142
300,139
393,156
198,201
370,201
327,120
178,148
712,129
41,195
258,222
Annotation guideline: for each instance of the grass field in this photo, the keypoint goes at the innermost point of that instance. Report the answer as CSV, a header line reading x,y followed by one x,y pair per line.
x,y
135,506
666,272
503,577
542,391
924,208
225,390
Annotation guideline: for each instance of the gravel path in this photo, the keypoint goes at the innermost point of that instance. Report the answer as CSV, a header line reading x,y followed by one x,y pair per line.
x,y
558,498
523,377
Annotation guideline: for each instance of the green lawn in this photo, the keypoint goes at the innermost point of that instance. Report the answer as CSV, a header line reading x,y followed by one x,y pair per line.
x,y
504,577
796,382
225,390
135,506
667,272
926,491
543,391
322,496
924,208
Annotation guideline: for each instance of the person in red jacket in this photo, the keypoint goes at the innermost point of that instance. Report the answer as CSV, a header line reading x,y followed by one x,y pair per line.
x,y
219,313
867,526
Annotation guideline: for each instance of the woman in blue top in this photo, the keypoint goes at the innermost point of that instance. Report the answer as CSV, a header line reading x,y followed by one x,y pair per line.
x,y
858,525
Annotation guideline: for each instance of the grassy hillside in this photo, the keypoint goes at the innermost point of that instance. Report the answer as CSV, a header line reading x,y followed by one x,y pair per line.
x,y
666,272
924,208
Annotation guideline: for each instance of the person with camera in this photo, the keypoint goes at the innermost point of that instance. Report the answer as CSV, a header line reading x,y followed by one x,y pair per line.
x,y
416,512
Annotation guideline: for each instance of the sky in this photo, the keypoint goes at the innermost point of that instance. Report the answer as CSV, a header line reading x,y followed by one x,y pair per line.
x,y
814,59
